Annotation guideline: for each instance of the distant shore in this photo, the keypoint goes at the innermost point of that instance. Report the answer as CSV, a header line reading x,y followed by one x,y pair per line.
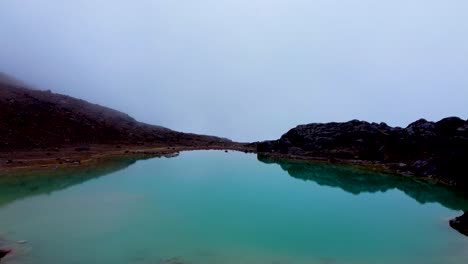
x,y
74,156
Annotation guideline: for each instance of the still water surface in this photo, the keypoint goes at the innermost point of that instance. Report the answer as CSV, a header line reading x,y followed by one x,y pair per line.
x,y
210,207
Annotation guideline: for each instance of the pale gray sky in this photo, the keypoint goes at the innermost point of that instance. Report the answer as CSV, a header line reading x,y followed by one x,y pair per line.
x,y
245,69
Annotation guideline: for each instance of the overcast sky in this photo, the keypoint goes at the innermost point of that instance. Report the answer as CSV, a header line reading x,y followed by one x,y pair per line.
x,y
245,69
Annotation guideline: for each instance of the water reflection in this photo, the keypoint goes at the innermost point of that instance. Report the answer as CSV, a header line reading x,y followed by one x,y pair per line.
x,y
357,181
28,183
21,185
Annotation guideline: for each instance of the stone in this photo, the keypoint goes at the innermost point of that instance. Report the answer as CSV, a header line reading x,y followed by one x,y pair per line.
x,y
4,252
460,223
436,150
83,148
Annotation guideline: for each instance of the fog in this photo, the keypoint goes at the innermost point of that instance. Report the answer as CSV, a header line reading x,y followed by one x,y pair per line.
x,y
245,69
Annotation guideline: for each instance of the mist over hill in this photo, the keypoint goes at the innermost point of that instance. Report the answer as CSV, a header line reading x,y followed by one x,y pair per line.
x,y
32,118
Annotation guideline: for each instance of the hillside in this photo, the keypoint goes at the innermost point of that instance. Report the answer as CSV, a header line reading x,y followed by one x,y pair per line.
x,y
35,119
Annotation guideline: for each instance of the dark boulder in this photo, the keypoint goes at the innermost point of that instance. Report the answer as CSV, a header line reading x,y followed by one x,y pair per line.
x,y
460,223
266,146
451,126
4,252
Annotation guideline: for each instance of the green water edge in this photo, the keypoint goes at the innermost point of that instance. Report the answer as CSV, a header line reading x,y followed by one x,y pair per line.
x,y
339,181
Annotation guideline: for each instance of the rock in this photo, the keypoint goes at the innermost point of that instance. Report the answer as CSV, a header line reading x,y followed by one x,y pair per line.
x,y
4,252
266,146
450,125
421,128
460,223
428,149
83,148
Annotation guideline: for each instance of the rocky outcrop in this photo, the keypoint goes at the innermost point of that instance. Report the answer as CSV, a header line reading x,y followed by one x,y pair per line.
x,y
460,224
437,150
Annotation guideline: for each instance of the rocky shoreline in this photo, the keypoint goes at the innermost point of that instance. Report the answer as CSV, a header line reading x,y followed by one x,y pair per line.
x,y
431,150
436,151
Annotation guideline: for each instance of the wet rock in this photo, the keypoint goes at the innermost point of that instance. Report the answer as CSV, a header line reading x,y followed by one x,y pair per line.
x,y
4,252
460,223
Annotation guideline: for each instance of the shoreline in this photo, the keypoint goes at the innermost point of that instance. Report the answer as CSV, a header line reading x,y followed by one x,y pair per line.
x,y
66,157
369,166
33,163
73,156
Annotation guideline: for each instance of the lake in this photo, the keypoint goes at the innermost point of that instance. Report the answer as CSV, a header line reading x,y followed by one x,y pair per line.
x,y
207,207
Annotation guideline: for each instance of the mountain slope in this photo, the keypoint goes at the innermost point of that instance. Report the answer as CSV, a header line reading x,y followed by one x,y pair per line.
x,y
41,119
6,79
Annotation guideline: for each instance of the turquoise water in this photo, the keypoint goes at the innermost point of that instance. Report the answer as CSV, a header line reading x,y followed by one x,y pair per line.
x,y
214,207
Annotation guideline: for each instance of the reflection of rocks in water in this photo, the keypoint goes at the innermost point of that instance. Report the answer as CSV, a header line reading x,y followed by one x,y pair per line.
x,y
4,251
17,252
174,260
28,183
327,260
427,149
171,260
357,181
23,184
460,223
